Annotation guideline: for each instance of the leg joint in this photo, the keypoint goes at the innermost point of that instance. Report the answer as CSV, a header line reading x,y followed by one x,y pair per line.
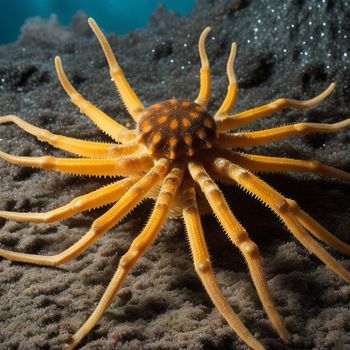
x,y
129,258
293,205
301,127
249,248
202,266
47,162
282,206
314,165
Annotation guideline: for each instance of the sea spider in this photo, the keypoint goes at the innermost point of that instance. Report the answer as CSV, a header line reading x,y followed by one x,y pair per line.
x,y
173,155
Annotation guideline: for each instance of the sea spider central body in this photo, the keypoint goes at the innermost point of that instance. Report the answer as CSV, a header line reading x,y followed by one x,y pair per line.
x,y
175,152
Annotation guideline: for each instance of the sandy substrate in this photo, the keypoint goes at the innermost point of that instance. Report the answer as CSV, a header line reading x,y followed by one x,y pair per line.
x,y
295,49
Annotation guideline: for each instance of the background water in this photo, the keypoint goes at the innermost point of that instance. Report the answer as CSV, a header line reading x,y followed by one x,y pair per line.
x,y
113,15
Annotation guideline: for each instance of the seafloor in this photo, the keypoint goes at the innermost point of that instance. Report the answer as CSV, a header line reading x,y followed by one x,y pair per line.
x,y
290,48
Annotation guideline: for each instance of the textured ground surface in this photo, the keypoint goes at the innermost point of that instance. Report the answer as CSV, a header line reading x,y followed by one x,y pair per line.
x,y
293,50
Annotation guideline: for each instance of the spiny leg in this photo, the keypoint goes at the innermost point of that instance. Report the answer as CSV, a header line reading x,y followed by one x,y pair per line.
x,y
204,269
130,99
101,225
232,88
238,120
105,195
138,247
262,137
281,207
123,166
73,145
278,164
109,126
205,81
318,230
239,237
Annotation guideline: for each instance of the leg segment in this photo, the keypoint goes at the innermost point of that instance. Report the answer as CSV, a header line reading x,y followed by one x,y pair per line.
x,y
232,88
123,166
318,230
281,207
277,164
130,99
109,126
240,238
205,81
80,147
204,269
138,247
238,120
95,199
101,225
262,137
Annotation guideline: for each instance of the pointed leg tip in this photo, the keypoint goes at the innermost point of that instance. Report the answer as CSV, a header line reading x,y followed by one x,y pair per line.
x,y
286,337
331,87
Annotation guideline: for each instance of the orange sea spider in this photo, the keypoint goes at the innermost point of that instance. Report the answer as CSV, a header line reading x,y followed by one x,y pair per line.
x,y
173,155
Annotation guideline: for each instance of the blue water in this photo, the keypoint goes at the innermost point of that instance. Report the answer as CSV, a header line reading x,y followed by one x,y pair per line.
x,y
118,16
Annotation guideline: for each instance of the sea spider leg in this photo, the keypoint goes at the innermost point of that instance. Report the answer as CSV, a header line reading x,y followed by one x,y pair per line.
x,y
232,88
205,81
73,145
238,120
109,126
239,237
102,196
275,164
281,207
204,269
318,230
130,99
278,164
101,225
262,137
123,166
138,247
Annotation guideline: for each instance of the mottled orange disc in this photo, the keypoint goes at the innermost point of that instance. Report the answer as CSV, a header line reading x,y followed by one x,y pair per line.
x,y
176,128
